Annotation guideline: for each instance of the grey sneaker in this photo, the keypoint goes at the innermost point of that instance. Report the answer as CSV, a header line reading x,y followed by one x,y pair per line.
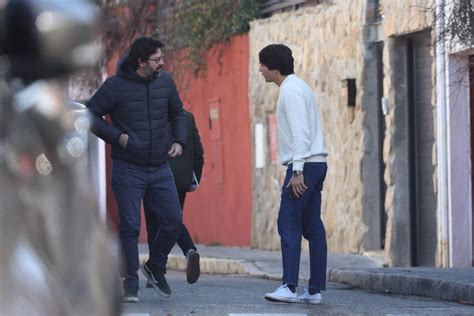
x,y
130,296
158,281
193,271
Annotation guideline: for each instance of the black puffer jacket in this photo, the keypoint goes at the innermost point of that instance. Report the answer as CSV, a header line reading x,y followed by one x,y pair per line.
x,y
192,159
143,109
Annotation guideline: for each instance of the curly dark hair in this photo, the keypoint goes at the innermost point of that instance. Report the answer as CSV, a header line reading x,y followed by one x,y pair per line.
x,y
277,56
142,48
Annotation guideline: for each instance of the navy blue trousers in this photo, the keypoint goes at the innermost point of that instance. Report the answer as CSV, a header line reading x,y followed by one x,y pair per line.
x,y
302,217
184,240
155,185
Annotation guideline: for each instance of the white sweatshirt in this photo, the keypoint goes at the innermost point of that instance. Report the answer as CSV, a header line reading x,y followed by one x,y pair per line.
x,y
300,133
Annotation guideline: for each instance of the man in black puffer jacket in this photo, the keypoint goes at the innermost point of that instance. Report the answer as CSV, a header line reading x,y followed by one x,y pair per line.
x,y
142,102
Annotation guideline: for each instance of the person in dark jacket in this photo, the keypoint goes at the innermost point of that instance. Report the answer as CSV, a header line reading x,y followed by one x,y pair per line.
x,y
142,102
186,169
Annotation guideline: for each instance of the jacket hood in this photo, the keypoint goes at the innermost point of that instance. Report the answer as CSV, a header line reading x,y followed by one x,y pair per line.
x,y
125,69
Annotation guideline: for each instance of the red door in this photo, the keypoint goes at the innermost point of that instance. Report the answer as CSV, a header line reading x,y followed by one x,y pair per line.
x,y
220,210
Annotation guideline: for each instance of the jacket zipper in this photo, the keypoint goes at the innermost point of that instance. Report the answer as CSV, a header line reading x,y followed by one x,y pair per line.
x,y
149,122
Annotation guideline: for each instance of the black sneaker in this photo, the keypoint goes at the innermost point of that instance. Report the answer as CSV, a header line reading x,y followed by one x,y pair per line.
x,y
158,281
130,296
193,270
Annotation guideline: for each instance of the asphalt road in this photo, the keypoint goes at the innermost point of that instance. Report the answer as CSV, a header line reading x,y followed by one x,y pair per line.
x,y
240,295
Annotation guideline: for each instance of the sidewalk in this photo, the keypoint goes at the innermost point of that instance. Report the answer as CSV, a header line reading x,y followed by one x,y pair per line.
x,y
357,270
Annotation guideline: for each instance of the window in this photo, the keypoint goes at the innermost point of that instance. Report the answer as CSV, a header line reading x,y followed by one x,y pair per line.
x,y
373,12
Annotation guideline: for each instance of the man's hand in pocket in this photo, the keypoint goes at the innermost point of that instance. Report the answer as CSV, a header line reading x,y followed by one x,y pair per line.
x,y
123,140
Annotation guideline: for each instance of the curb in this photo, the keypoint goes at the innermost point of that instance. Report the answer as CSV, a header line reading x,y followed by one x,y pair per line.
x,y
218,266
375,280
394,283
207,265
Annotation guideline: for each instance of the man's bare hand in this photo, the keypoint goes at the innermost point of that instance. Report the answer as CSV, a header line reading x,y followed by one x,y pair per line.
x,y
123,140
297,185
176,150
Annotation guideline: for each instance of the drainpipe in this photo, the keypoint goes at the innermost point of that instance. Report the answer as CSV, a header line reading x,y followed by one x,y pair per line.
x,y
442,142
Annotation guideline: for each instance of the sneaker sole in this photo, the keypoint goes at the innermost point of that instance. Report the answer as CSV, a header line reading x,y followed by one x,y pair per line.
x,y
309,302
193,271
155,287
130,300
280,299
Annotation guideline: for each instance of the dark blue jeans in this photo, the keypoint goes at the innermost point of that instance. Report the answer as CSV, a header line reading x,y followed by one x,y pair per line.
x,y
302,217
184,240
155,185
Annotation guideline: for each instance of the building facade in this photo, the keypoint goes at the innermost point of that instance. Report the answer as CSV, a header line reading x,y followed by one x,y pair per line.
x,y
392,185
396,99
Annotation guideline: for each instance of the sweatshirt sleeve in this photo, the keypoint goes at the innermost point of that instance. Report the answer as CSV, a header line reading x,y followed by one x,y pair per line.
x,y
296,112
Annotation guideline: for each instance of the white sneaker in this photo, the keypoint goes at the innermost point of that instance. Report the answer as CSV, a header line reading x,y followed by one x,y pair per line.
x,y
282,294
310,299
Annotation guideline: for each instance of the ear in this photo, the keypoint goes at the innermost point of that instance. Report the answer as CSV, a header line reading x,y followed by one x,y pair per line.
x,y
141,63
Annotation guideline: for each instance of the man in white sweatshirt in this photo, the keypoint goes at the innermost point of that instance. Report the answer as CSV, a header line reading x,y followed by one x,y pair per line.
x,y
302,150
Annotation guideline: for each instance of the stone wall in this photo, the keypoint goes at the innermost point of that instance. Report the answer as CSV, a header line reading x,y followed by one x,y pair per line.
x,y
403,17
327,45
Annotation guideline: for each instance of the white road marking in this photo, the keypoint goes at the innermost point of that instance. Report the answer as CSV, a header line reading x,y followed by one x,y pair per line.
x,y
245,314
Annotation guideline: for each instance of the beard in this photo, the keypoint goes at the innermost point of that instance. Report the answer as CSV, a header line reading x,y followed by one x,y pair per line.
x,y
150,73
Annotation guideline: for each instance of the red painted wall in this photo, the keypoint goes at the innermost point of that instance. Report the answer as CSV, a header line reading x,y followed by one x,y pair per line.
x,y
219,212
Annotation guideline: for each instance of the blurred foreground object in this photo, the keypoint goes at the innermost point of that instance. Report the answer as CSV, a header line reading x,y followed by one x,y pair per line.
x,y
48,38
56,256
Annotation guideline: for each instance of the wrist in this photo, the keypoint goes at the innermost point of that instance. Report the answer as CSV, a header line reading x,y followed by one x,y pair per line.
x,y
297,173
